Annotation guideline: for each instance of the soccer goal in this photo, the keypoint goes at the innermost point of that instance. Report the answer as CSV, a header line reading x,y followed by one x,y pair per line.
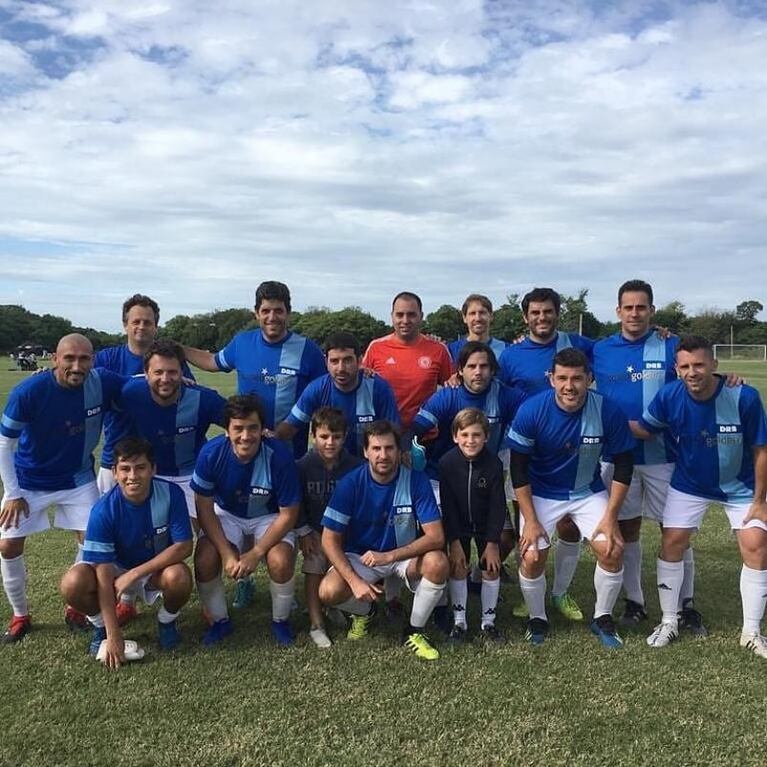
x,y
756,352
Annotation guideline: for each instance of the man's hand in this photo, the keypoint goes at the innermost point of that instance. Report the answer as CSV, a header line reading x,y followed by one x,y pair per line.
x,y
364,591
310,544
454,381
662,332
457,557
10,515
231,565
249,561
375,558
758,511
613,538
491,558
115,652
124,582
733,379
529,538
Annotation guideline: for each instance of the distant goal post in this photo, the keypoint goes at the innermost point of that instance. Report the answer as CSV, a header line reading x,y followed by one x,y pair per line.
x,y
755,352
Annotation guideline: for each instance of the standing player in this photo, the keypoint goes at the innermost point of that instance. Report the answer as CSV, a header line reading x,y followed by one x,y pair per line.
x,y
477,311
55,417
556,440
371,531
246,484
363,399
137,539
721,434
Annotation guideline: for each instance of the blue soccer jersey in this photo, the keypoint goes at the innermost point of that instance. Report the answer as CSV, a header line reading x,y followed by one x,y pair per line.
x,y
129,534
715,439
278,373
528,363
176,431
496,344
372,400
631,373
58,428
121,360
498,402
565,448
253,489
376,517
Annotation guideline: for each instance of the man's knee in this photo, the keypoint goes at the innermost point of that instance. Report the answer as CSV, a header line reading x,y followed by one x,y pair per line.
x,y
435,566
10,548
177,580
333,589
78,582
207,563
533,563
280,561
674,542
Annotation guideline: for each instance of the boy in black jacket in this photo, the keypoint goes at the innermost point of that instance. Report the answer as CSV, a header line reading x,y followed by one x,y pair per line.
x,y
473,507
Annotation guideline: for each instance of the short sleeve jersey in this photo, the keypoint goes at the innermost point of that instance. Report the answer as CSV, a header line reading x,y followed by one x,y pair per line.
x,y
414,371
565,448
496,344
380,517
277,373
131,534
58,428
370,401
176,431
247,490
715,438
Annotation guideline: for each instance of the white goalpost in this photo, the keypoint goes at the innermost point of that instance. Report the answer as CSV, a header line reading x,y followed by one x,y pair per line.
x,y
755,352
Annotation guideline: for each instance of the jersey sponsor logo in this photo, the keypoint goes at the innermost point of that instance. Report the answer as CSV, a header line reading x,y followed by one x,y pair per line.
x,y
591,440
391,361
653,371
424,362
260,491
365,418
403,509
728,434
161,530
289,371
277,379
185,429
92,411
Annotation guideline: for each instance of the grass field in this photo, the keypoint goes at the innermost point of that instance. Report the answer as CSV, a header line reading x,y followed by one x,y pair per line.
x,y
248,703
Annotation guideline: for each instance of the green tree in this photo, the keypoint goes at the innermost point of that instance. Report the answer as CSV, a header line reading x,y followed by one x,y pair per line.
x,y
713,325
746,311
445,322
575,317
318,323
673,317
508,322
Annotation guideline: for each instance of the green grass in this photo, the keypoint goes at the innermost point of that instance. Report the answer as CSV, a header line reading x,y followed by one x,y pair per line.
x,y
248,703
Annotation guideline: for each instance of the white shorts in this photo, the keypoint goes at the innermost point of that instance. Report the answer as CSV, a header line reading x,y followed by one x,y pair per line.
x,y
687,511
587,513
73,507
435,490
139,589
647,491
184,484
105,480
380,572
237,528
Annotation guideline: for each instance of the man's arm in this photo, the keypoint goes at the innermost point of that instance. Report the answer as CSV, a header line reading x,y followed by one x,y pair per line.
x,y
206,516
285,431
202,359
433,539
105,583
285,522
15,504
623,470
519,464
333,546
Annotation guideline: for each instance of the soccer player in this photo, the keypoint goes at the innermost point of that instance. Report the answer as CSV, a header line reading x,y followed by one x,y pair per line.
x,y
557,438
245,484
272,362
318,472
477,312
363,399
371,530
137,539
473,508
721,434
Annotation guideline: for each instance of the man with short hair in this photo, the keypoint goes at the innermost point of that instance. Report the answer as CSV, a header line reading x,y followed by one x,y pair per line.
x,y
55,417
721,435
371,531
477,313
556,439
363,399
137,539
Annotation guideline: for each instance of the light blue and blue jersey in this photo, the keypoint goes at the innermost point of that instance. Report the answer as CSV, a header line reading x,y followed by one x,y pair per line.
x,y
376,517
565,448
715,439
129,534
58,428
248,490
496,344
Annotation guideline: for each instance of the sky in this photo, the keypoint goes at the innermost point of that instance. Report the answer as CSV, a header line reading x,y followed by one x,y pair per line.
x,y
356,148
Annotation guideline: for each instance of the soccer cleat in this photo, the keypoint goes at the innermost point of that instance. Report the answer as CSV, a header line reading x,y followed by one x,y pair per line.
x,y
320,637
633,615
126,612
604,629
537,629
491,635
168,635
568,607
442,618
419,644
97,637
218,630
754,642
75,620
17,630
243,593
663,635
520,611
691,620
358,629
282,632
457,635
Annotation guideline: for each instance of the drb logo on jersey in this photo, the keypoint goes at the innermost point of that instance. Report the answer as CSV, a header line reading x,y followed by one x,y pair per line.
x,y
404,525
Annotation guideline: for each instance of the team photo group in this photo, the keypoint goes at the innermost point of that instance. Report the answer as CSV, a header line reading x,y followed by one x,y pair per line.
x,y
400,478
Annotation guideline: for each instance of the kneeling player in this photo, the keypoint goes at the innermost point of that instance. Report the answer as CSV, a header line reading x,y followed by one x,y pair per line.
x,y
137,538
473,507
371,532
254,483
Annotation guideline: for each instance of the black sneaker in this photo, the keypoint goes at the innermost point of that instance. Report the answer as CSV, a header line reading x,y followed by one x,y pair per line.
x,y
691,620
537,629
491,635
633,615
457,635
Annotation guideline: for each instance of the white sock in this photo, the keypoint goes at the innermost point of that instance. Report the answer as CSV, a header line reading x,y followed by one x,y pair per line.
x,y
15,583
355,606
165,616
213,598
97,620
534,593
565,562
79,554
688,581
425,599
632,572
392,587
670,575
489,600
753,595
459,594
282,598
608,587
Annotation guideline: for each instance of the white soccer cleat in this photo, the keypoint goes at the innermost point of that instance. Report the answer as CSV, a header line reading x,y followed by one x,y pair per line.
x,y
320,638
664,634
132,651
754,642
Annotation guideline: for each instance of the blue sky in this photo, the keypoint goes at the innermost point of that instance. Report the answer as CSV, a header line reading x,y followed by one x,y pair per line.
x,y
354,149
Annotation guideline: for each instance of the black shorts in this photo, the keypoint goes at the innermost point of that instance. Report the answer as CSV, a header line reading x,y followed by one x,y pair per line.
x,y
466,546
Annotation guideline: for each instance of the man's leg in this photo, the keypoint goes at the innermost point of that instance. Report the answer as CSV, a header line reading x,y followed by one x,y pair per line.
x,y
210,586
14,573
459,594
752,542
280,562
567,551
79,587
335,592
431,572
175,584
608,581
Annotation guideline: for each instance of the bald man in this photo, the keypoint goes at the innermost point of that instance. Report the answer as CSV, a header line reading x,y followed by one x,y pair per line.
x,y
50,426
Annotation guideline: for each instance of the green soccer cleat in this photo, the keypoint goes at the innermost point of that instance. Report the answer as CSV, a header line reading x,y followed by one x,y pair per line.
x,y
568,607
243,593
359,626
421,646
